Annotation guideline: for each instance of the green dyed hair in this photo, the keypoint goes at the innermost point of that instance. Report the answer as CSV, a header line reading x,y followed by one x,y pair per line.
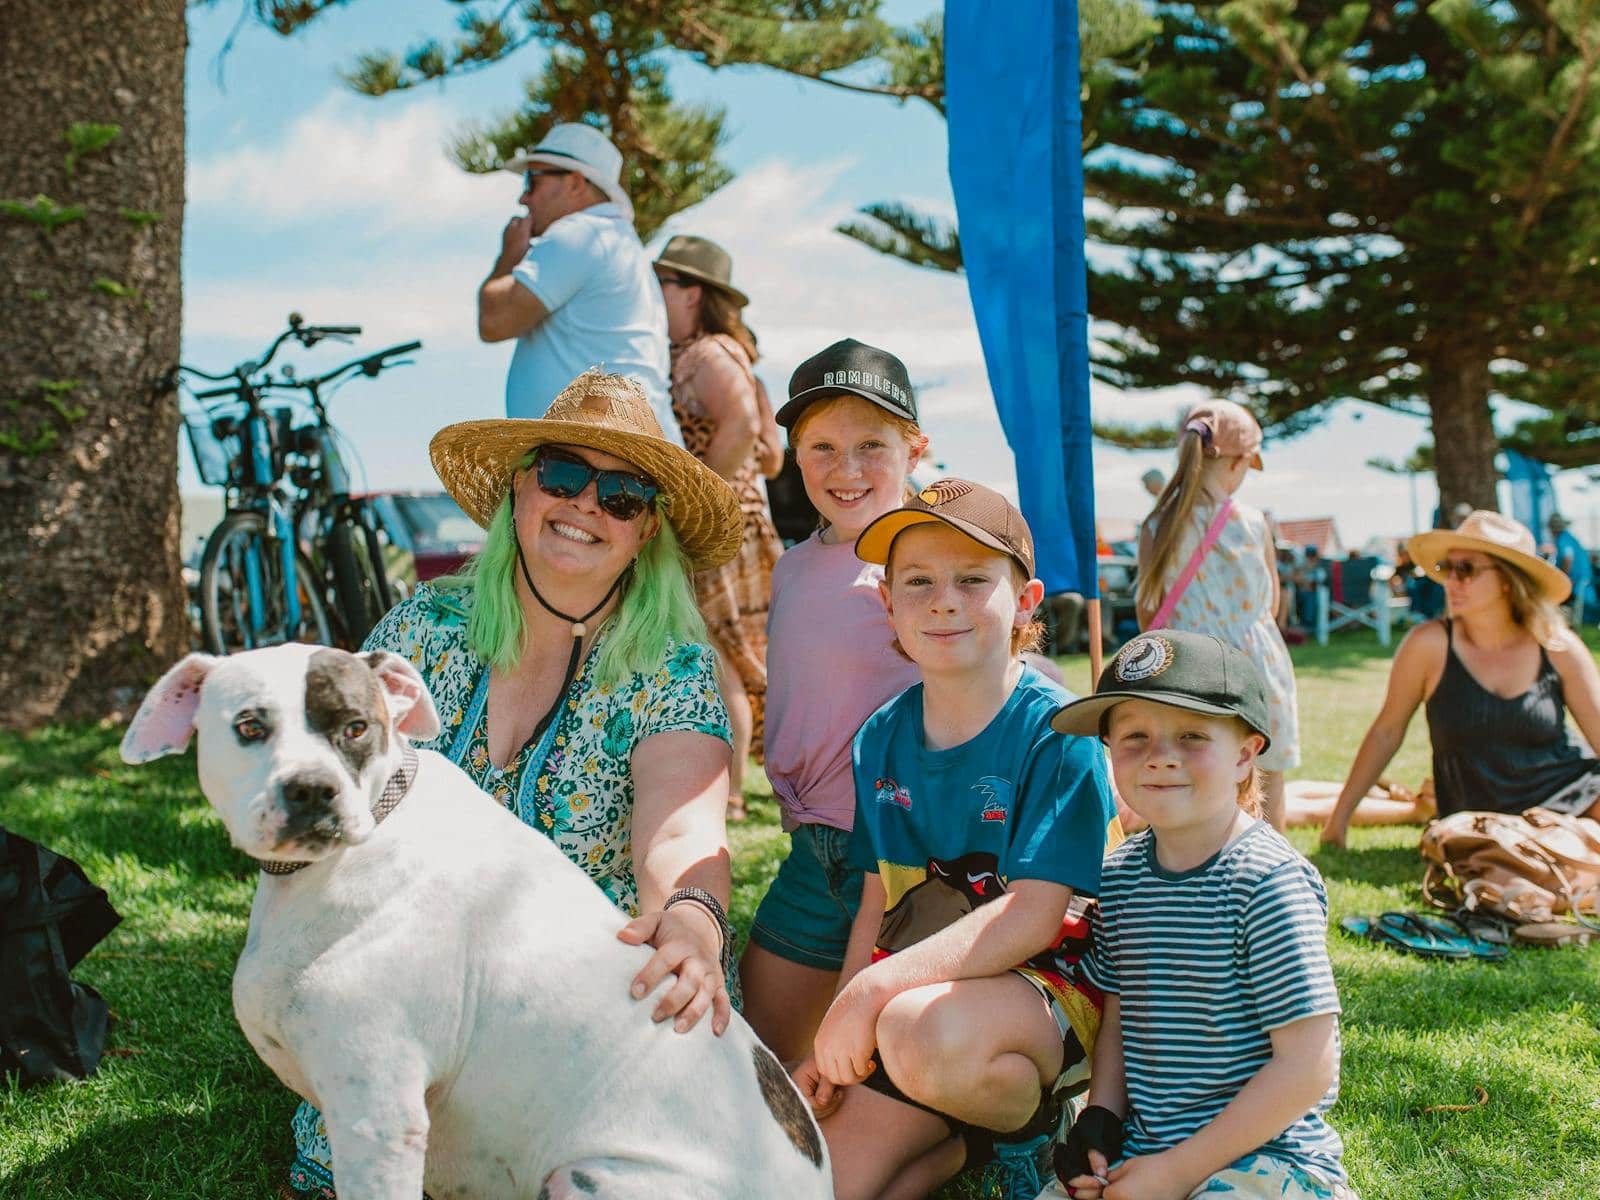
x,y
657,605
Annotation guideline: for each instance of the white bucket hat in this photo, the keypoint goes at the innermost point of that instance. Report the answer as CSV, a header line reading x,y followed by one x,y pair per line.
x,y
582,149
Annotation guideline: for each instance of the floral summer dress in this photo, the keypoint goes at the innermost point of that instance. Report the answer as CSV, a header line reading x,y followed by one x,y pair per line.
x,y
578,792
1231,598
733,598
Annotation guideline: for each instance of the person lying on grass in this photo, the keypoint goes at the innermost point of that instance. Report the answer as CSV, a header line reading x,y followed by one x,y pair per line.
x,y
975,824
1218,1051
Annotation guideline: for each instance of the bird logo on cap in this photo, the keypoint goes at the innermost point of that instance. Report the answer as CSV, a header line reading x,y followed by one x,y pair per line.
x,y
943,492
1144,658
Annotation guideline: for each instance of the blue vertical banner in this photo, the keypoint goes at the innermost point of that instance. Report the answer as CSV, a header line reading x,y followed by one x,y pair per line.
x,y
1016,166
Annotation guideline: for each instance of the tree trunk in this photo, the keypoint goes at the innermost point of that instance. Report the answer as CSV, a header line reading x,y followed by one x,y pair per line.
x,y
1464,442
92,605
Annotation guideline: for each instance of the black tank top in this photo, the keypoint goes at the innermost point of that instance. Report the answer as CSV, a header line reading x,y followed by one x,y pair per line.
x,y
1505,755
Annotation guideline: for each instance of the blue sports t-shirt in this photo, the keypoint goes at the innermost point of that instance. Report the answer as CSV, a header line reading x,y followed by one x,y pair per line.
x,y
948,830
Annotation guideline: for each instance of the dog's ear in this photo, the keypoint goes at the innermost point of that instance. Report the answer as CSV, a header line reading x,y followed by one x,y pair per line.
x,y
165,720
409,702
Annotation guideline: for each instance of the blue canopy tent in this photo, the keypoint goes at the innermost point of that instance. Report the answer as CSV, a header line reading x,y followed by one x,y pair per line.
x,y
1016,166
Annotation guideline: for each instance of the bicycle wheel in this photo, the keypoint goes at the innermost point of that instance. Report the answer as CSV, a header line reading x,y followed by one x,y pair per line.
x,y
233,616
359,584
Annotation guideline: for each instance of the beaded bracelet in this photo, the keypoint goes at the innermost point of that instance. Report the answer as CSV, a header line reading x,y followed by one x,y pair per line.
x,y
719,914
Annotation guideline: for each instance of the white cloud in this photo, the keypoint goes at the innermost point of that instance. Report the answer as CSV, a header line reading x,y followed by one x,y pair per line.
x,y
386,167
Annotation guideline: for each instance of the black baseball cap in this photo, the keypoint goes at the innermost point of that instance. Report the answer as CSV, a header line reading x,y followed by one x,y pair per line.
x,y
850,368
1187,670
981,513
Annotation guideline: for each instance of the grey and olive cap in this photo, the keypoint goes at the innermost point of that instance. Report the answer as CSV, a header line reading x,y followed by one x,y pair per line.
x,y
850,368
1194,671
981,513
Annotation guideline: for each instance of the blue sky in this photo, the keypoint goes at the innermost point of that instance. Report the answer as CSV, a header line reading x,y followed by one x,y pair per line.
x,y
303,195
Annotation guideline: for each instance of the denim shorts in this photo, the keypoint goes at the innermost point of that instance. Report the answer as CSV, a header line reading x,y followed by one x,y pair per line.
x,y
806,915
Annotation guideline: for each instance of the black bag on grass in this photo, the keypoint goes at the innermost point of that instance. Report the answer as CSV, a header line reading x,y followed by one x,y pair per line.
x,y
50,917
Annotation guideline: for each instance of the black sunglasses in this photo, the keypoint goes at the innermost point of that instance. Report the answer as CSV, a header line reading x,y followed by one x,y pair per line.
x,y
621,494
1463,570
535,173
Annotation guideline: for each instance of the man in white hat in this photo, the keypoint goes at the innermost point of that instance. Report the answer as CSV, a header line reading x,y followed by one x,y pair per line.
x,y
573,284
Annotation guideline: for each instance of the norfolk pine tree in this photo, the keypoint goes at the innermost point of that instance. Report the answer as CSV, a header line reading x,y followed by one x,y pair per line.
x,y
1391,202
91,206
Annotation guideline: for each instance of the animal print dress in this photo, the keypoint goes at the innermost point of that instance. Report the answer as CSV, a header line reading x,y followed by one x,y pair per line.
x,y
733,598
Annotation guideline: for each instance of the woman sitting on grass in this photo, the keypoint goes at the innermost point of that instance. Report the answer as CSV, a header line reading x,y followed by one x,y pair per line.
x,y
1497,677
572,679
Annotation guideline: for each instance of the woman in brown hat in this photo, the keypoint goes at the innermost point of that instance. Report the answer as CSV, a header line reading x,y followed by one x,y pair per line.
x,y
1496,676
570,669
727,423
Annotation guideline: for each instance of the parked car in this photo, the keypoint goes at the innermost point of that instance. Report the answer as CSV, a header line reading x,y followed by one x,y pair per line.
x,y
427,532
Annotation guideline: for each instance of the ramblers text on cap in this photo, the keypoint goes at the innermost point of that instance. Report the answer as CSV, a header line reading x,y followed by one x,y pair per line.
x,y
851,368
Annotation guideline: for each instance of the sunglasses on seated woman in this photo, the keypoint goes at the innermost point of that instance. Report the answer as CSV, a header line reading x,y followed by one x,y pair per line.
x,y
621,494
1461,568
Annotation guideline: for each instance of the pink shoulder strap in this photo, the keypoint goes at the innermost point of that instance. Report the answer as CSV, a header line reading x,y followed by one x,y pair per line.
x,y
1213,532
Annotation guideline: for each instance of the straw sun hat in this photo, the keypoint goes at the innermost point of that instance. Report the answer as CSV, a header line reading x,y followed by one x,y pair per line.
x,y
1498,536
475,459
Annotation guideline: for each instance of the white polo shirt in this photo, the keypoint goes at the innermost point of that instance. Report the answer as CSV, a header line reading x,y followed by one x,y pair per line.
x,y
592,275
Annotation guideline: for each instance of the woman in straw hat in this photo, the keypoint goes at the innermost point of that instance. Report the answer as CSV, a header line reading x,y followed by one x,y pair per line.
x,y
569,667
727,424
1496,676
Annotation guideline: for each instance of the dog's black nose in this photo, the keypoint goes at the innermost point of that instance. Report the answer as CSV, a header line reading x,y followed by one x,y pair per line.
x,y
306,797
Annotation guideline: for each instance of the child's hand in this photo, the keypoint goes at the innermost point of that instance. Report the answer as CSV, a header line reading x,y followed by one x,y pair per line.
x,y
822,1095
1148,1177
849,1033
1091,1186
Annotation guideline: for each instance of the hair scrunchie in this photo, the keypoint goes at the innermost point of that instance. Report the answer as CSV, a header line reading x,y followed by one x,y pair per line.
x,y
1205,431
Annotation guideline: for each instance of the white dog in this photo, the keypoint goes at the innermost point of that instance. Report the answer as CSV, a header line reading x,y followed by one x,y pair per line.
x,y
439,979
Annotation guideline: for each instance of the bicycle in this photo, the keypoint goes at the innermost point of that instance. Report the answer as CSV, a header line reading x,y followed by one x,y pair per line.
x,y
258,586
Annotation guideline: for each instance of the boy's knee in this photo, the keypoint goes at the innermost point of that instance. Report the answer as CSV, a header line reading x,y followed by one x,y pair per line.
x,y
923,1046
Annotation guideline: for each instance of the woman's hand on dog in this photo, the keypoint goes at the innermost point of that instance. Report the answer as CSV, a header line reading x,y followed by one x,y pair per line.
x,y
687,943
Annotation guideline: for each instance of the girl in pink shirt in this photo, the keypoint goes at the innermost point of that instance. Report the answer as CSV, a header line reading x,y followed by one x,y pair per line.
x,y
831,664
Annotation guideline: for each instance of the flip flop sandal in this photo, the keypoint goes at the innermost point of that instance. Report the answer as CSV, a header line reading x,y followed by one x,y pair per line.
x,y
1553,933
1456,932
1482,924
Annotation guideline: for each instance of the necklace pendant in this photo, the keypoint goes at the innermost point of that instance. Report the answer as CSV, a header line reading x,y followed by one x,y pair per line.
x,y
579,629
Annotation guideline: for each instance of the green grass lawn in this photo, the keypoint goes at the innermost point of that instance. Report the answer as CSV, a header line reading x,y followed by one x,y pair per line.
x,y
182,1109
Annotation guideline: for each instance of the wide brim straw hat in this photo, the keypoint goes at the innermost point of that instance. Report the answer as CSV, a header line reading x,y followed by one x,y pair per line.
x,y
1498,536
703,261
610,413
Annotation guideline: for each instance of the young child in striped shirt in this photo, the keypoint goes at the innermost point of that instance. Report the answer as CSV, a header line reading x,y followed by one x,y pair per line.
x,y
1218,1051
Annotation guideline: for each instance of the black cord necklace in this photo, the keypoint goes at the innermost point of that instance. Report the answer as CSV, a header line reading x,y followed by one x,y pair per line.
x,y
580,628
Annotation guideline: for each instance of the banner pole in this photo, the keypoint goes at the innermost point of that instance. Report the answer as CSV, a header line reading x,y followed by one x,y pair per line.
x,y
1091,618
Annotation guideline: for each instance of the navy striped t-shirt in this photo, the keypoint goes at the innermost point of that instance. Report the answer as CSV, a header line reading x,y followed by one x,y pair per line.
x,y
1206,963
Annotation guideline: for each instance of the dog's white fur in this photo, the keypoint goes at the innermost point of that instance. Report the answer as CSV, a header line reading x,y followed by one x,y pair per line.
x,y
446,986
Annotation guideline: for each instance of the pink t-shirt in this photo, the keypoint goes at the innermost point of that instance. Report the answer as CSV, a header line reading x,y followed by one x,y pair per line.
x,y
830,666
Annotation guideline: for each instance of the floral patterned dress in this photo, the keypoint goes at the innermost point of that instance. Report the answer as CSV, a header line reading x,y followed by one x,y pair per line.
x,y
733,598
1230,597
575,786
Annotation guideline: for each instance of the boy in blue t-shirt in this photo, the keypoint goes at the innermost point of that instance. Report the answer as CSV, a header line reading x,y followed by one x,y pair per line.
x,y
976,825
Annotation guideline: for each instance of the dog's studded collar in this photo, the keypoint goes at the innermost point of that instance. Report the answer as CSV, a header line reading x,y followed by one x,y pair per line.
x,y
393,792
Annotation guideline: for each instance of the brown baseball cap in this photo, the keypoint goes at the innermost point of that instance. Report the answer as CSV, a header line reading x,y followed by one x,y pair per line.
x,y
1229,430
981,513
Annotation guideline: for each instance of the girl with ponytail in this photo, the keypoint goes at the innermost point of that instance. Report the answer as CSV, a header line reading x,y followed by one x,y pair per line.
x,y
1207,563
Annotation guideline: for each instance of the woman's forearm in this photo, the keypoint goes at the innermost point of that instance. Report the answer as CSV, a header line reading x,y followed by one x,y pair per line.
x,y
683,860
1378,748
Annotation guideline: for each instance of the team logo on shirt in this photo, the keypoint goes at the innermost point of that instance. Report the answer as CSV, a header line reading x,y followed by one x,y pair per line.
x,y
1143,658
995,793
890,792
